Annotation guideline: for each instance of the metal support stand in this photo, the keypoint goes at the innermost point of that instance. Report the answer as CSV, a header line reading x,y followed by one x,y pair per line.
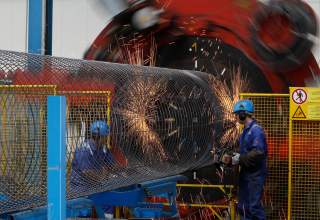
x,y
56,169
136,197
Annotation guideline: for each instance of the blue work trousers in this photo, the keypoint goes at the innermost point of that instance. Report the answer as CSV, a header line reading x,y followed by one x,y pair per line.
x,y
250,194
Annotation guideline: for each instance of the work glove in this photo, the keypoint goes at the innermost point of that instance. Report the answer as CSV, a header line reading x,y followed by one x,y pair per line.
x,y
226,159
235,158
252,158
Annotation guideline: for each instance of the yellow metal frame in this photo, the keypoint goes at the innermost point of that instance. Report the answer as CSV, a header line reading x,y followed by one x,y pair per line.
x,y
17,87
290,147
221,187
51,90
290,169
303,147
212,207
244,95
295,188
54,87
108,102
96,92
231,205
264,94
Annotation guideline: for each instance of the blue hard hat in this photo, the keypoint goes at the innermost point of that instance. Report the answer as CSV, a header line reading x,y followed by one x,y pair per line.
x,y
99,128
243,105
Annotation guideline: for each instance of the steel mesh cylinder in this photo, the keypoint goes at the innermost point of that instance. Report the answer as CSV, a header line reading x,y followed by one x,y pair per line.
x,y
162,122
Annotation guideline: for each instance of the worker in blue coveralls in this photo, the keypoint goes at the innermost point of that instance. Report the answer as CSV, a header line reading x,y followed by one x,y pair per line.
x,y
92,157
253,163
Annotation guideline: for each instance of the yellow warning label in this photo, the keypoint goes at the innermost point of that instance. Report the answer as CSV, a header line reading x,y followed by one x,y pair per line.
x,y
299,113
304,103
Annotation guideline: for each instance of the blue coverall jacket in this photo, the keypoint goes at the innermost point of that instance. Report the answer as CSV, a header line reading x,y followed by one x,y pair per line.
x,y
253,171
89,157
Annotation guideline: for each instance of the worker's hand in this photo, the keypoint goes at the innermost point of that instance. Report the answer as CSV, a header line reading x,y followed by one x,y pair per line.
x,y
235,158
226,159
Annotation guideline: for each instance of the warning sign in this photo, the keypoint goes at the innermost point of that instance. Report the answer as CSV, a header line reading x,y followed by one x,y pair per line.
x,y
299,113
304,103
299,96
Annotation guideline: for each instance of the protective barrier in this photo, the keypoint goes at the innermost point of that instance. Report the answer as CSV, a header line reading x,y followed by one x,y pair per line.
x,y
304,145
305,182
293,186
23,144
83,107
272,112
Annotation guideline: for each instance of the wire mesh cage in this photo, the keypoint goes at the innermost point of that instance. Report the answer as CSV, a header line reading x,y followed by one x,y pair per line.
x,y
305,201
272,112
152,123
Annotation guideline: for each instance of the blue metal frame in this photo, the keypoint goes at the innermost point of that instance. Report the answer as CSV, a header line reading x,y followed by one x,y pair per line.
x,y
135,197
35,26
48,36
75,208
56,169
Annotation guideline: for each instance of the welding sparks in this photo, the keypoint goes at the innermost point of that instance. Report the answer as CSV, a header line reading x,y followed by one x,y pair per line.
x,y
173,106
169,119
224,69
228,94
205,212
173,132
138,50
139,112
140,99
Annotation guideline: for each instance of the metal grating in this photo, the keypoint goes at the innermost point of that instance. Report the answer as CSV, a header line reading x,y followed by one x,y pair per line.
x,y
23,145
305,203
272,112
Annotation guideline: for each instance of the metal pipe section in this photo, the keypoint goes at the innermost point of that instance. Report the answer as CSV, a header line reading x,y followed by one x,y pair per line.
x,y
160,122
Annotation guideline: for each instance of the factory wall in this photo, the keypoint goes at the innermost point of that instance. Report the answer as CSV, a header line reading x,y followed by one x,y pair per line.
x,y
315,4
13,25
76,23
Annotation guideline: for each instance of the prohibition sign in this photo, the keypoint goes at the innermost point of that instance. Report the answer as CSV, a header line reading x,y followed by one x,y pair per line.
x,y
299,96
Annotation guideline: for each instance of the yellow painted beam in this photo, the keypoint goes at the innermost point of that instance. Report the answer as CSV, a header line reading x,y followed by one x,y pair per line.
x,y
264,94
